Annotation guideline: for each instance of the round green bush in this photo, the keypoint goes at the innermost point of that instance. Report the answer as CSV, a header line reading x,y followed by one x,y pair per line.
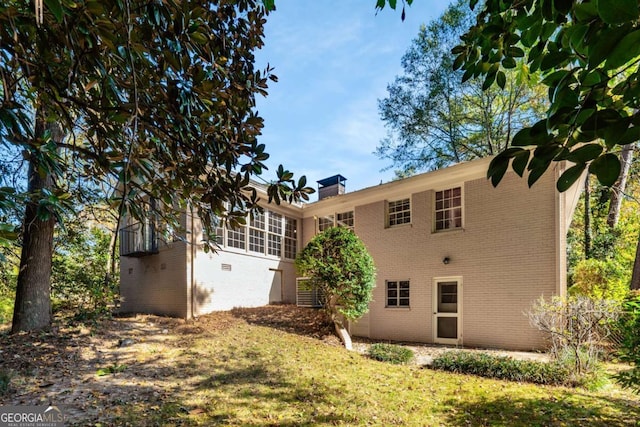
x,y
391,353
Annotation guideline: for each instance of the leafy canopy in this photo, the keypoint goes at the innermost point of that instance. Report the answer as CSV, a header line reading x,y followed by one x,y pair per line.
x,y
155,98
437,116
589,55
338,263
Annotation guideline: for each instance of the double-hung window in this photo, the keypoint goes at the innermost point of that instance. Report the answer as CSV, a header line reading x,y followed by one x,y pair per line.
x,y
399,212
274,244
256,232
448,209
398,293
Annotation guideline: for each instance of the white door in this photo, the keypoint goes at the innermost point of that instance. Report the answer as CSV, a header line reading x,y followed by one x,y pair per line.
x,y
275,293
447,310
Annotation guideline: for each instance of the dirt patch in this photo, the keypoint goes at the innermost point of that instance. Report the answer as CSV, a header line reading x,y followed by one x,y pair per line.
x,y
98,368
123,360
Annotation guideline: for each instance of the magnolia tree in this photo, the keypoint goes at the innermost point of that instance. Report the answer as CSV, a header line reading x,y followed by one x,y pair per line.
x,y
340,267
154,99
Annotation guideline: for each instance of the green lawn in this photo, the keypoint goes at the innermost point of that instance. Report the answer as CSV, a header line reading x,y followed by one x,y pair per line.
x,y
6,308
230,370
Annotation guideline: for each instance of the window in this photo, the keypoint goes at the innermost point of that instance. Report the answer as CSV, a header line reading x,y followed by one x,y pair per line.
x,y
236,237
448,209
220,235
345,219
256,232
267,233
399,212
290,237
274,243
398,293
325,222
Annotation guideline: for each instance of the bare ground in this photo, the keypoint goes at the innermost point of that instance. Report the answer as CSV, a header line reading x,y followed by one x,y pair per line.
x,y
96,367
72,363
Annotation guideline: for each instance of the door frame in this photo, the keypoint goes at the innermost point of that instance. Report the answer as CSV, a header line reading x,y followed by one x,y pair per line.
x,y
436,314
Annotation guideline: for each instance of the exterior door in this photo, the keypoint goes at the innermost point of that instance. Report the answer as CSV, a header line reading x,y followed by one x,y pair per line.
x,y
447,310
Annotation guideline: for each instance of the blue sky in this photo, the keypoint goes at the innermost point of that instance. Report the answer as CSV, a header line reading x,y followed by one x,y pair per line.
x,y
333,60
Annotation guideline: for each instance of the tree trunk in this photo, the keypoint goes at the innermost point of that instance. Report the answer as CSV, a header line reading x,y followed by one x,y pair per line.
x,y
32,309
343,334
617,191
635,277
587,219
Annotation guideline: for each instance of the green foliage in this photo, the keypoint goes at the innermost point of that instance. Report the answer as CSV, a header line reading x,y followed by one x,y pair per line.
x,y
600,279
588,55
6,307
629,326
111,369
337,262
391,353
503,367
80,270
146,101
167,106
437,116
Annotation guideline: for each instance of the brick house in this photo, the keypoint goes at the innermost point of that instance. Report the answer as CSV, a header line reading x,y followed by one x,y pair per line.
x,y
458,261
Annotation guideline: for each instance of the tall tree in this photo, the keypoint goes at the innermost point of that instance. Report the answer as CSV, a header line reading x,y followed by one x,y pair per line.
x,y
163,94
437,116
618,189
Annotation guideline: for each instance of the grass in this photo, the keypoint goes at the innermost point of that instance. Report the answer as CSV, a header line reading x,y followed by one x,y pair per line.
x,y
245,374
258,376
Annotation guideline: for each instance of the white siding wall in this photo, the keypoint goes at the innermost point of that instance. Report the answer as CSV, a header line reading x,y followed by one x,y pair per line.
x,y
225,280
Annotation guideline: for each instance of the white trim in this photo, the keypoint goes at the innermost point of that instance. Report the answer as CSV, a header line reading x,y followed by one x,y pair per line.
x,y
458,314
446,177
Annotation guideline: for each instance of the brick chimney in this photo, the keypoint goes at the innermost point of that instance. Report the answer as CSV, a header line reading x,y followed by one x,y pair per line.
x,y
332,186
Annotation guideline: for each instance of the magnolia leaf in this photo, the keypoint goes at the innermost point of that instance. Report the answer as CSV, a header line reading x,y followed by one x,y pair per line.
x,y
618,11
604,45
570,176
520,161
537,168
585,154
625,51
606,168
501,79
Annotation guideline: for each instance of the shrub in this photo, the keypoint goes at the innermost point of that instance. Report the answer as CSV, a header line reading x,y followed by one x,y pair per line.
x,y
577,329
629,329
339,265
502,367
600,280
390,353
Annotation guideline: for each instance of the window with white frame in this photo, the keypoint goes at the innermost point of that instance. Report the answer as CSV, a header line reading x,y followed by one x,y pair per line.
x,y
448,209
267,233
290,237
399,212
398,293
274,240
256,232
345,219
236,237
